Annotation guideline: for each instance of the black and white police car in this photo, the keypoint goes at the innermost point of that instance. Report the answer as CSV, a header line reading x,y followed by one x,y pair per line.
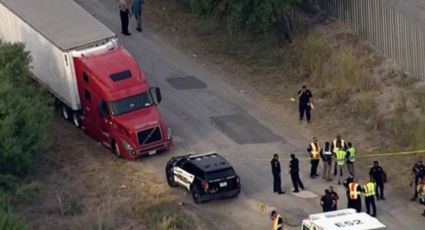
x,y
207,176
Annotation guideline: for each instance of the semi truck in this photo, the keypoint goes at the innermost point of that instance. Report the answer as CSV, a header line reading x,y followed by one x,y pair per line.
x,y
97,84
345,219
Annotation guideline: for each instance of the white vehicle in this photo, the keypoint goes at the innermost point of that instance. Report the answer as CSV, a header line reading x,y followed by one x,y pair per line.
x,y
346,219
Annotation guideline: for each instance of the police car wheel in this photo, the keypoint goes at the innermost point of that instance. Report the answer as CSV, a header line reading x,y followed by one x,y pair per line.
x,y
170,180
196,196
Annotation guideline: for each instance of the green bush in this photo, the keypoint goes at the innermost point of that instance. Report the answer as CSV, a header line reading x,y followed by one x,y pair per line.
x,y
25,112
26,193
10,222
251,15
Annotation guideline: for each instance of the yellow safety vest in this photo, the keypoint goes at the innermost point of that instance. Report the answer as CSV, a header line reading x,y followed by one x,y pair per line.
x,y
315,152
352,156
342,143
340,157
369,189
276,224
354,194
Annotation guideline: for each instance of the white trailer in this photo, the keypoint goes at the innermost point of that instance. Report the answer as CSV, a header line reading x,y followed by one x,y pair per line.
x,y
54,31
346,219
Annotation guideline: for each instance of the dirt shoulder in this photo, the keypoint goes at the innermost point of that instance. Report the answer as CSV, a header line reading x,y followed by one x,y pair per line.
x,y
85,187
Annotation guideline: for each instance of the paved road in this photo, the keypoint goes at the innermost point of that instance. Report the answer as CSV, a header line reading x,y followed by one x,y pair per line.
x,y
208,114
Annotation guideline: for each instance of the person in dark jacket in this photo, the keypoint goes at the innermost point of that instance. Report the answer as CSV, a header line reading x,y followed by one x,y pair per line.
x,y
418,173
377,175
294,171
276,172
327,202
335,196
305,102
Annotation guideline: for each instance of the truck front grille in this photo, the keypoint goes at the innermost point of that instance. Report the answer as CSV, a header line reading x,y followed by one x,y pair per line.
x,y
149,136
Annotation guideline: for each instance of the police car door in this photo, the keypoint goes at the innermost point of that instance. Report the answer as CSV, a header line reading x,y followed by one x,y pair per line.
x,y
182,176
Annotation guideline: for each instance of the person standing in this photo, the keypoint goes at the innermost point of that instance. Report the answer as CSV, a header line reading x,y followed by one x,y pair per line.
x,y
355,191
276,172
277,220
421,193
315,152
327,202
294,171
335,196
327,156
376,174
351,158
340,156
305,101
124,16
418,173
369,196
136,9
337,143
347,189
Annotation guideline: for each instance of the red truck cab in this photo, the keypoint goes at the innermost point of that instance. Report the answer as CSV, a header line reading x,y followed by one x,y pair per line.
x,y
119,109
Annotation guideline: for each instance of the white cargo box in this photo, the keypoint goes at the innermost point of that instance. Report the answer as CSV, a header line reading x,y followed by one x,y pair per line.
x,y
347,219
53,30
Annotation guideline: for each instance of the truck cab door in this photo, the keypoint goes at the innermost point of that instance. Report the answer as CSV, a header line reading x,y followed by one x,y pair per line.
x,y
103,123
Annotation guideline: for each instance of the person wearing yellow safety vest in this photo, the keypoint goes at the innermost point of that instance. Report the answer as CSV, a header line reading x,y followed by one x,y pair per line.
x,y
315,152
338,143
277,221
340,155
355,190
369,196
351,158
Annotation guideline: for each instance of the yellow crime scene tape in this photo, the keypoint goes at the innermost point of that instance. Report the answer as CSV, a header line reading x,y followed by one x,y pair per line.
x,y
404,153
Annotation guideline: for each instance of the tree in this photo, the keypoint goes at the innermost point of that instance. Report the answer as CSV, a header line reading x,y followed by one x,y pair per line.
x,y
257,16
25,112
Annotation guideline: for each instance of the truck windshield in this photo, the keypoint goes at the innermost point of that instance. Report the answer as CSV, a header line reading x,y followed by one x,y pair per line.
x,y
131,104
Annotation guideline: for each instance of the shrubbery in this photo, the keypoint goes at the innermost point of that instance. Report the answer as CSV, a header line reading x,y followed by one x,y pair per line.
x,y
25,112
251,15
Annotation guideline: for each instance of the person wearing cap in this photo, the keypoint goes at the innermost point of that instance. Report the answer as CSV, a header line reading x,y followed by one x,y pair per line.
x,y
276,172
418,173
305,102
277,221
377,176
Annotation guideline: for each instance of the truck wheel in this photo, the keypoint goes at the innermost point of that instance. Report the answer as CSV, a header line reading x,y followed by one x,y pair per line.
x,y
116,149
65,112
76,119
170,179
196,195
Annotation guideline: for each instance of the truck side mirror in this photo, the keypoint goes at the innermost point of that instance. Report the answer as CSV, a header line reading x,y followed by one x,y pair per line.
x,y
158,96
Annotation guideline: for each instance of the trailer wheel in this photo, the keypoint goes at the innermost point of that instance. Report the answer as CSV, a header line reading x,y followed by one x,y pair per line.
x,y
116,149
76,119
65,112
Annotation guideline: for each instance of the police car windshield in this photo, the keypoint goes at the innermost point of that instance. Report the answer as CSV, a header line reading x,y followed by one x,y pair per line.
x,y
223,173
